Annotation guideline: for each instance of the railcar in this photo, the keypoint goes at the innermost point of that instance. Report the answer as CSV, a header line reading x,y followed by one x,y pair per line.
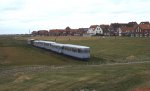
x,y
77,51
81,52
57,47
40,43
48,45
35,43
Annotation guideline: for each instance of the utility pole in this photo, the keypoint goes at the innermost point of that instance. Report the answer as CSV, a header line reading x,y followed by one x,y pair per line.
x,y
29,33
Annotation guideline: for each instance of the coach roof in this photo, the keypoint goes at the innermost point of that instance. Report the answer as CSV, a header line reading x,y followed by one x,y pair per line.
x,y
49,42
75,46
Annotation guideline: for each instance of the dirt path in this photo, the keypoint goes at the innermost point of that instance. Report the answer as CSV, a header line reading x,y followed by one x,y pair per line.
x,y
127,63
7,71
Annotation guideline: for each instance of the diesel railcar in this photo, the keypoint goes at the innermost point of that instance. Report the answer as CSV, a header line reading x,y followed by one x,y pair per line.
x,y
77,51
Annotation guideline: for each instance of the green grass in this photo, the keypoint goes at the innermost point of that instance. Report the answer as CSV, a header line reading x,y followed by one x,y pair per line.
x,y
75,78
27,68
121,49
15,51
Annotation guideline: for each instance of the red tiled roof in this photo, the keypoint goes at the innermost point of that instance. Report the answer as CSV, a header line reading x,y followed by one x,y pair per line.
x,y
129,29
74,30
144,26
56,30
93,26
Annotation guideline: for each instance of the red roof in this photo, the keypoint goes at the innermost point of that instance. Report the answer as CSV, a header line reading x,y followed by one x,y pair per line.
x,y
93,26
129,29
144,26
56,30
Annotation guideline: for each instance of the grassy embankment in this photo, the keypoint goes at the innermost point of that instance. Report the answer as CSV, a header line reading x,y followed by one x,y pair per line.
x,y
15,51
76,78
106,50
23,67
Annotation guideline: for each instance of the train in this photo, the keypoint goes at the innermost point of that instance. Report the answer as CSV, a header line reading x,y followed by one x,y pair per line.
x,y
75,51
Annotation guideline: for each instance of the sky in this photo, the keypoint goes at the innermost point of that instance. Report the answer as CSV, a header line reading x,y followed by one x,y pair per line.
x,y
22,16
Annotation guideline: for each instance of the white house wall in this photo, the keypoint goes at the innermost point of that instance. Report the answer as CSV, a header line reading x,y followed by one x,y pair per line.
x,y
90,31
120,32
98,30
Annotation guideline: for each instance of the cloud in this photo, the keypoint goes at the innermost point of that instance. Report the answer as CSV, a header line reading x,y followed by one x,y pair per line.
x,y
10,5
18,16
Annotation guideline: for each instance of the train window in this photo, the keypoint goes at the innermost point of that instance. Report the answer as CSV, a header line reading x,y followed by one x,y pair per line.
x,y
76,50
86,51
79,50
73,49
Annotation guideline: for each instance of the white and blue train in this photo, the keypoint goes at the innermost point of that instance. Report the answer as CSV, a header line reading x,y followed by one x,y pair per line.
x,y
76,51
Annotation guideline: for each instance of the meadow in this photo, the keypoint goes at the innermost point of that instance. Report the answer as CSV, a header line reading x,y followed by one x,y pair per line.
x,y
110,49
114,65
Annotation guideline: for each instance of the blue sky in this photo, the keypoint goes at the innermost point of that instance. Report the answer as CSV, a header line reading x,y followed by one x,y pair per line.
x,y
18,16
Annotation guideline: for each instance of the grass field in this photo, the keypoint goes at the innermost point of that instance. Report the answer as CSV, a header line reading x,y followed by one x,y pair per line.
x,y
110,49
127,77
15,51
27,68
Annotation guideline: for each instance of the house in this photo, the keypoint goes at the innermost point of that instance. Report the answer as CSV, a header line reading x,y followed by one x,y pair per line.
x,y
143,30
34,33
105,29
72,32
114,28
43,32
82,31
56,32
67,32
75,32
128,30
60,32
95,30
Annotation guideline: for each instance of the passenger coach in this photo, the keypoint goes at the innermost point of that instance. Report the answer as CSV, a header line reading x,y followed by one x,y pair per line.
x,y
57,47
77,51
48,45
